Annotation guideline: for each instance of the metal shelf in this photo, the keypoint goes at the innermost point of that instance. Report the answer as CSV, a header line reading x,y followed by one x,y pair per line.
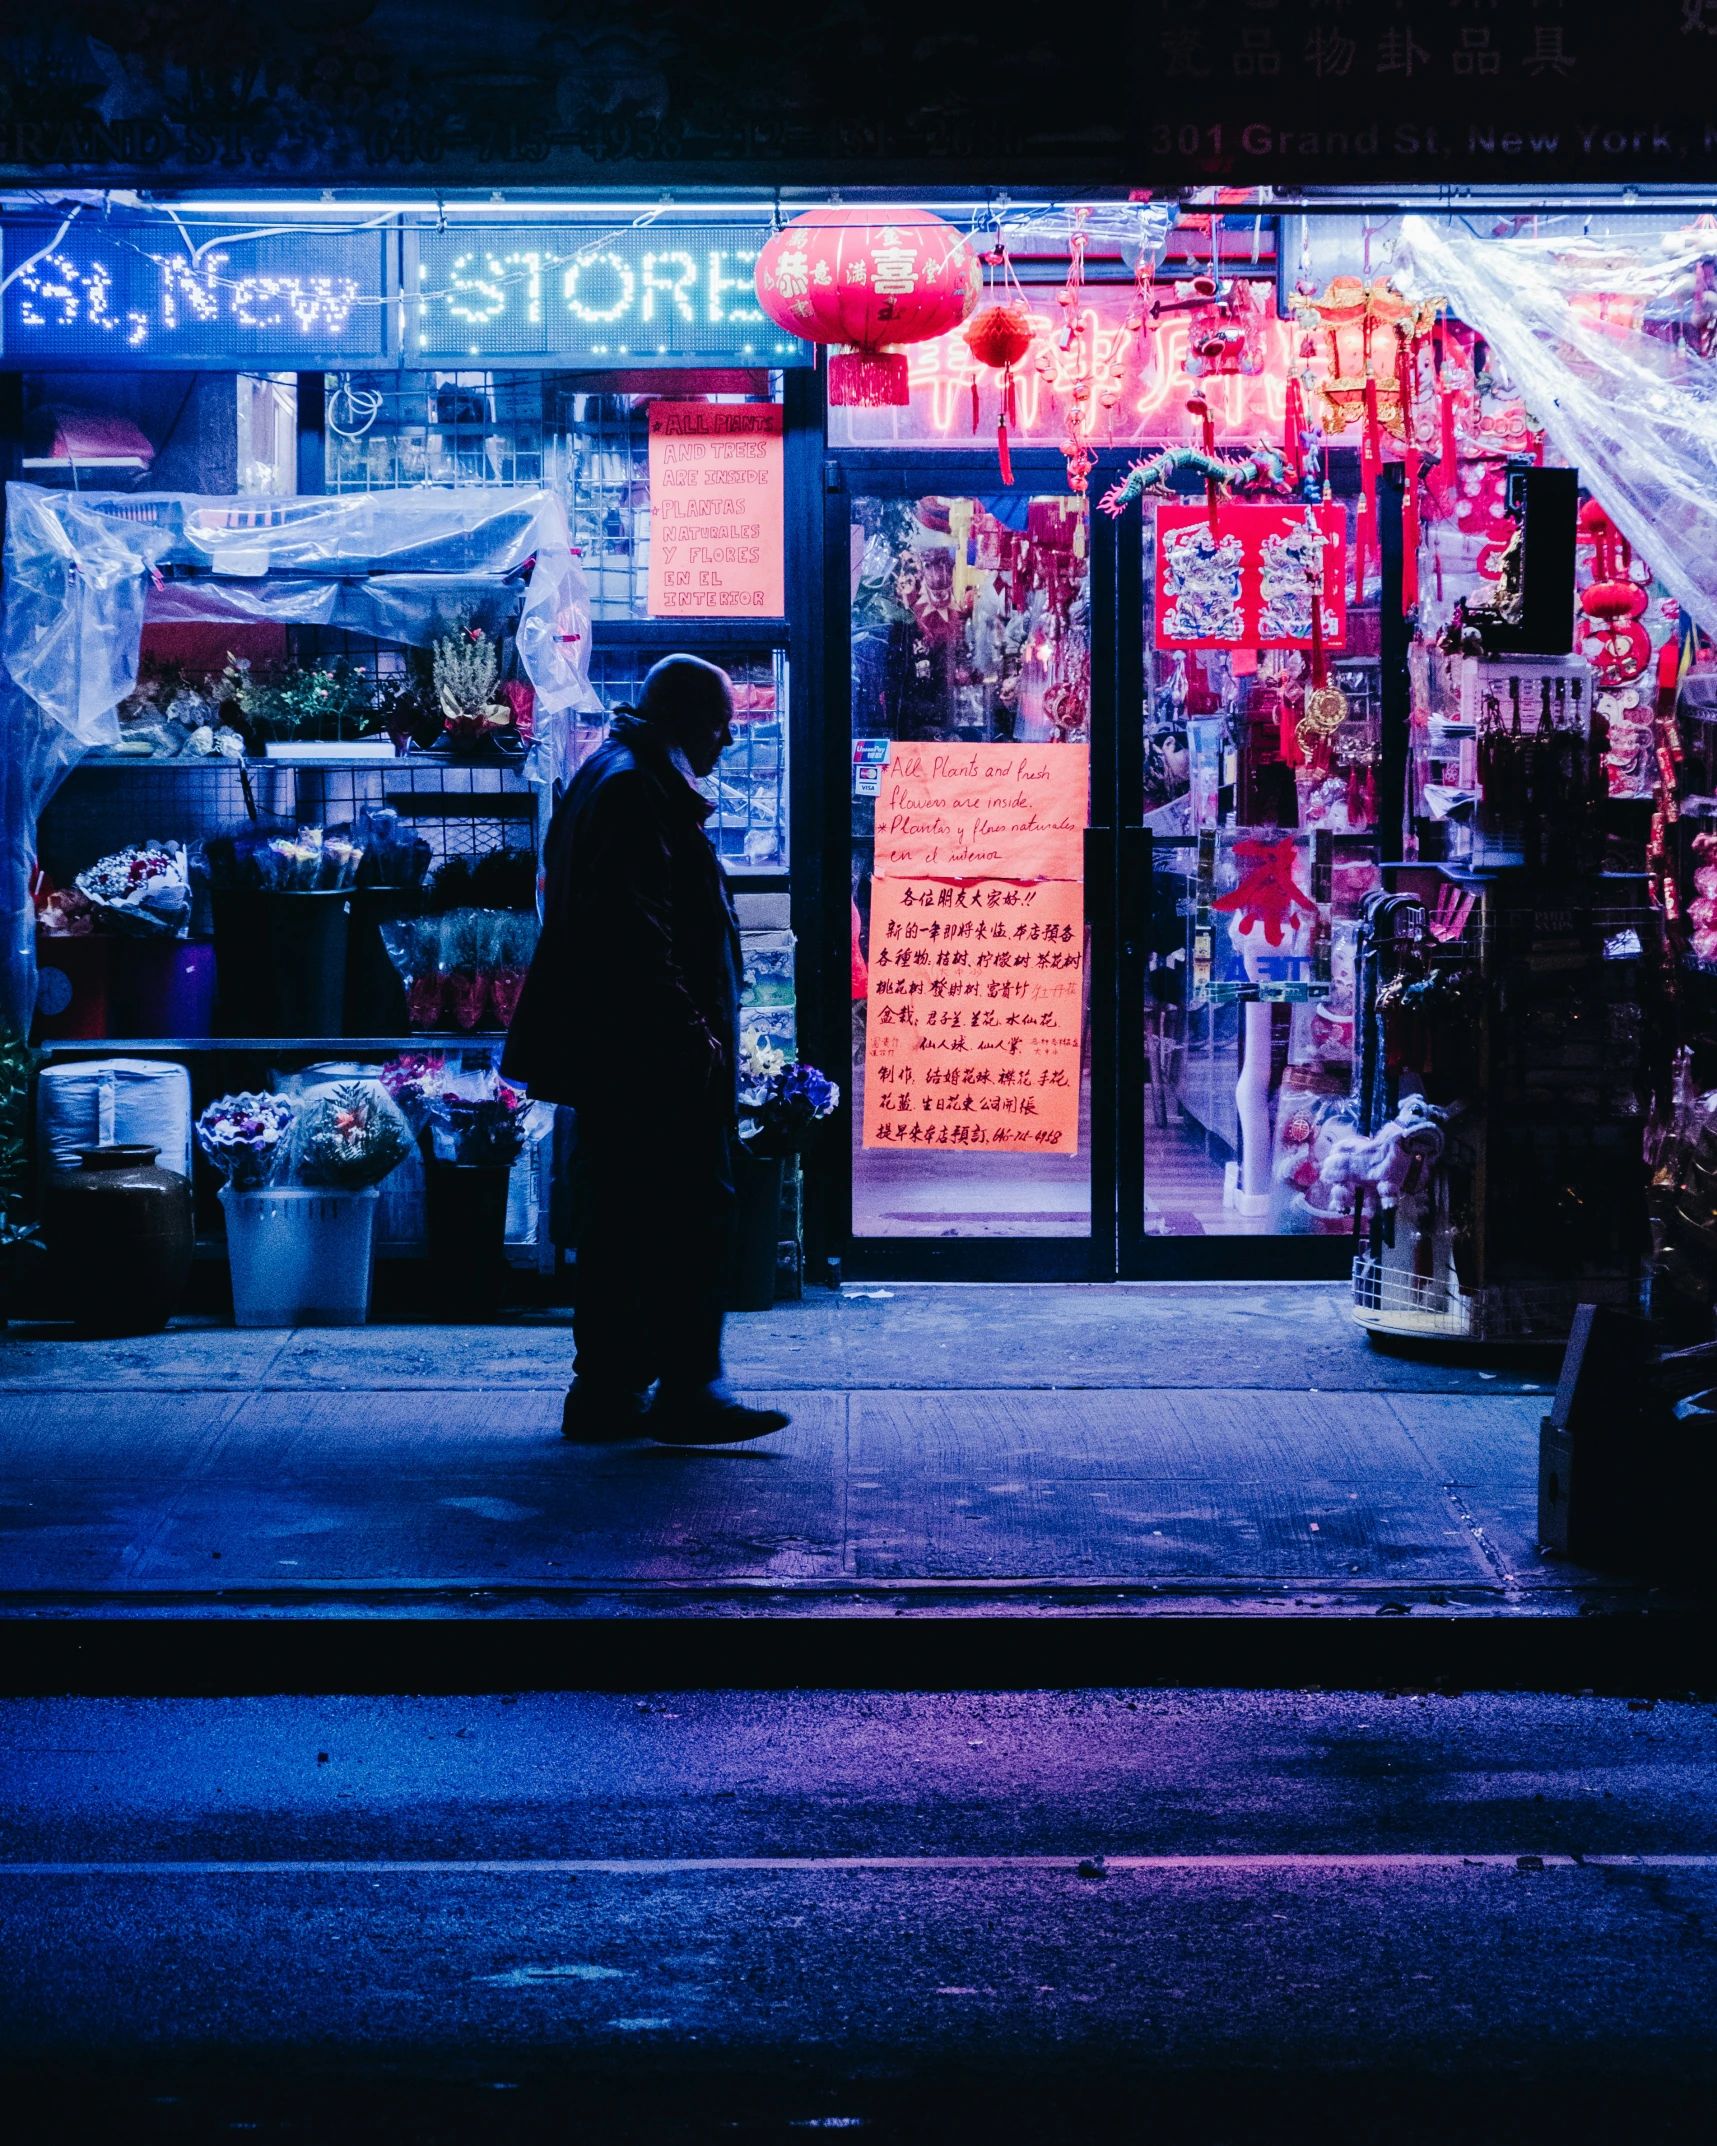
x,y
425,1040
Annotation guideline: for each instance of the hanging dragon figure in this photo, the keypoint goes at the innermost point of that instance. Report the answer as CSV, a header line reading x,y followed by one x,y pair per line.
x,y
1261,469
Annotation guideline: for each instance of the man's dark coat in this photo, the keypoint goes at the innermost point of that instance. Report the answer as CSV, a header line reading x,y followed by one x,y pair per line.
x,y
631,1008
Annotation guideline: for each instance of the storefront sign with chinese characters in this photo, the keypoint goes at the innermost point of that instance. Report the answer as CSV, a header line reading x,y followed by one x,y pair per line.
x,y
976,994
955,810
1247,582
716,488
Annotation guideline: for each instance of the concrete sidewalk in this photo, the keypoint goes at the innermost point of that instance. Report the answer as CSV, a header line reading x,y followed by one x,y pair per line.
x,y
1043,1450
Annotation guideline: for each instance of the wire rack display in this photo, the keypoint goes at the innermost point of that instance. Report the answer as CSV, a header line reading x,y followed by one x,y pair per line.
x,y
749,787
389,431
458,811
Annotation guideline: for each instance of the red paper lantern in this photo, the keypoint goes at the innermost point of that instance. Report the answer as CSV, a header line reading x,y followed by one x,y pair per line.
x,y
999,336
870,279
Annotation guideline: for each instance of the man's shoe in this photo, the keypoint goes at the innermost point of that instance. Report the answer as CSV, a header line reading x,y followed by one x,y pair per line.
x,y
710,1420
594,1417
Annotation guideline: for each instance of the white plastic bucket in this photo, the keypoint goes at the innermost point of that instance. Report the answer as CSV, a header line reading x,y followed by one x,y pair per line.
x,y
104,1102
301,1255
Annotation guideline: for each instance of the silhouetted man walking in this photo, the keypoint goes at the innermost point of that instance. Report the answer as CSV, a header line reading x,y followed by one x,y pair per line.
x,y
631,1014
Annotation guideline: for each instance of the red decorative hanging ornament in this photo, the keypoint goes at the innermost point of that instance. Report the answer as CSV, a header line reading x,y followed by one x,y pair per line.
x,y
870,279
998,335
1612,640
1076,445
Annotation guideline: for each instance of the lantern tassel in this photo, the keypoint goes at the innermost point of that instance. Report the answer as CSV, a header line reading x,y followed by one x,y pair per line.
x,y
1002,455
1293,424
975,411
1405,363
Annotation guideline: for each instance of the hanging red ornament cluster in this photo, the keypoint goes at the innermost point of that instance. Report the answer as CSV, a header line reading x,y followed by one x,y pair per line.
x,y
869,279
1612,640
1374,336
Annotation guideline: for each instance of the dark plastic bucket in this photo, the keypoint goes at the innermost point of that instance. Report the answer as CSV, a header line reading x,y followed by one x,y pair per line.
x,y
466,1230
756,1231
244,993
161,987
307,936
71,988
375,994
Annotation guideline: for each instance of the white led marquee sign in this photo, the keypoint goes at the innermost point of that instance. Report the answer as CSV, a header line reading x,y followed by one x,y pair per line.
x,y
151,291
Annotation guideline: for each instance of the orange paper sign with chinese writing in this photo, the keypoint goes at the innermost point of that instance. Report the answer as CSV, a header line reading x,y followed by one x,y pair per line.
x,y
972,1038
716,488
996,811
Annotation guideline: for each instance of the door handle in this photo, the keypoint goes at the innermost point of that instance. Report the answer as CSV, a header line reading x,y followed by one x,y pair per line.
x,y
1135,890
1099,877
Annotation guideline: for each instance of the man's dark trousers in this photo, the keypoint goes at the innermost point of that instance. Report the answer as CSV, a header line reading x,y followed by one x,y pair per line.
x,y
654,1215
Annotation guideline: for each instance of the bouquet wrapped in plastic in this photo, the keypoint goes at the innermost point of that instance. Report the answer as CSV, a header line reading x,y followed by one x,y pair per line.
x,y
464,969
461,1115
350,1137
277,860
143,891
247,1137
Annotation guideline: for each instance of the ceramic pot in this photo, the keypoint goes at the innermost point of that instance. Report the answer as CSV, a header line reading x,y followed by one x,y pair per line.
x,y
119,1239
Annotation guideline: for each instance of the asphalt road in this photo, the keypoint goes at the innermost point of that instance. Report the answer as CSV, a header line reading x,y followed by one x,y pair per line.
x,y
712,1916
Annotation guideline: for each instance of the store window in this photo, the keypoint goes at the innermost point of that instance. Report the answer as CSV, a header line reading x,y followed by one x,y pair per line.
x,y
971,691
590,444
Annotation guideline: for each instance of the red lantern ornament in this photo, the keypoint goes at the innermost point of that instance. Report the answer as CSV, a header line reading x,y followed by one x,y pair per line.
x,y
999,336
870,279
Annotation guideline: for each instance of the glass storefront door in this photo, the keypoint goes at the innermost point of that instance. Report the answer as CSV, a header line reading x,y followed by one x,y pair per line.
x,y
1104,903
971,725
1251,842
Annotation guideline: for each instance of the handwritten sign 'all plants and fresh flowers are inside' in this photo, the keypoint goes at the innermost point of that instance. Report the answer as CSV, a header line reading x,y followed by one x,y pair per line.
x,y
716,492
956,811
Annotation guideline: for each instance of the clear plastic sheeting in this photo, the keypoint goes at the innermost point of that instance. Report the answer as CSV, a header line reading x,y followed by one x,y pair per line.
x,y
75,582
111,557
85,571
1604,337
34,756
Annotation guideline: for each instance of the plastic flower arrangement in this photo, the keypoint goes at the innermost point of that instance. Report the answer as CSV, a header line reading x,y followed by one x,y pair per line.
x,y
247,1137
351,1137
464,1117
779,1103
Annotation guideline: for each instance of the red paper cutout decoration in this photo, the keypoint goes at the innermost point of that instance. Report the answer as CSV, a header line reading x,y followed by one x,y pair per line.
x,y
1268,893
870,279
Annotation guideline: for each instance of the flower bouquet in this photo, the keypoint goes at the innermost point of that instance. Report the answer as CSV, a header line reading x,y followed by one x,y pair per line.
x,y
143,891
247,1137
778,1102
351,1137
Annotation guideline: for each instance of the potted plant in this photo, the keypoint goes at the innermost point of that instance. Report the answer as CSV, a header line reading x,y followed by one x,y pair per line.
x,y
779,1103
18,1238
307,711
477,713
